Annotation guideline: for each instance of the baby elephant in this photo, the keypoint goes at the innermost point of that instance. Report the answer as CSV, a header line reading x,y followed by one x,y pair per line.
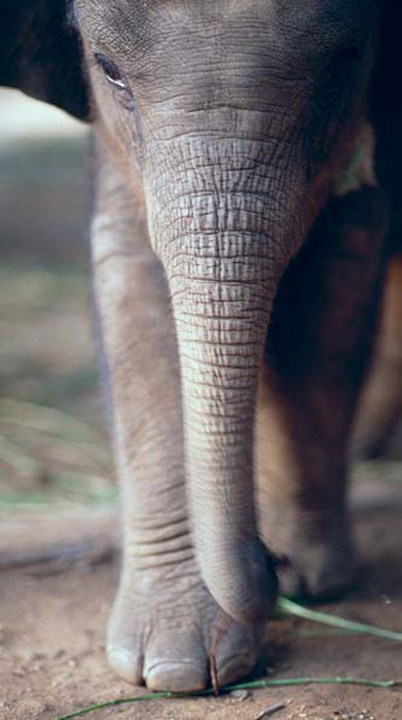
x,y
238,249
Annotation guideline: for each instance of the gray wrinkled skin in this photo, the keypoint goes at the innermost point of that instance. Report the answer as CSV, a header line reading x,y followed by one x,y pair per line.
x,y
221,125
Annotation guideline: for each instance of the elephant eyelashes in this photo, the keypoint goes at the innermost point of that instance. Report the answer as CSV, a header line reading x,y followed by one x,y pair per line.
x,y
111,72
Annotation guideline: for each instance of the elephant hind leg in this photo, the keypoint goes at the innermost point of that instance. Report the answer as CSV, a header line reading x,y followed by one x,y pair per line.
x,y
318,348
380,413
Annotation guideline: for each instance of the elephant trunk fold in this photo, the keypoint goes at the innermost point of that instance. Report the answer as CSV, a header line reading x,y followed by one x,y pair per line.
x,y
220,345
223,274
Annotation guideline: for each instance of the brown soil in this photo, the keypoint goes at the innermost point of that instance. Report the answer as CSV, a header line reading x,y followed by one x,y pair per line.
x,y
52,643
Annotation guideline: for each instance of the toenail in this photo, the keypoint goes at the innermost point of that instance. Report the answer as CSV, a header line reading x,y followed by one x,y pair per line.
x,y
236,667
183,662
179,675
123,663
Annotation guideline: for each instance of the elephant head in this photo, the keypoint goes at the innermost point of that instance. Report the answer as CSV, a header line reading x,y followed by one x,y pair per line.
x,y
234,116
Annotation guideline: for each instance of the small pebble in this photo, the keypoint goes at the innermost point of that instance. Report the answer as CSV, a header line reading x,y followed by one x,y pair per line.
x,y
30,655
59,654
240,695
48,707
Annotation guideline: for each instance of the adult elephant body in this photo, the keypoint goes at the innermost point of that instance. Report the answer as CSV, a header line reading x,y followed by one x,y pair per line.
x,y
223,131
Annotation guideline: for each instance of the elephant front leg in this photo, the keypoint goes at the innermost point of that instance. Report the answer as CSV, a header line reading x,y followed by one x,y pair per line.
x,y
164,625
318,348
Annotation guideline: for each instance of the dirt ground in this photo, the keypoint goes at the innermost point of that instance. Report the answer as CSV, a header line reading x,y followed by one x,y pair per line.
x,y
52,642
56,480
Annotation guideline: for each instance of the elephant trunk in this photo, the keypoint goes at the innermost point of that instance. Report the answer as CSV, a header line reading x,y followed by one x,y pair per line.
x,y
221,326
223,270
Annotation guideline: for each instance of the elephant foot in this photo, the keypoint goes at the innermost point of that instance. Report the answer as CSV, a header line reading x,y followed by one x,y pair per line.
x,y
316,557
318,571
167,631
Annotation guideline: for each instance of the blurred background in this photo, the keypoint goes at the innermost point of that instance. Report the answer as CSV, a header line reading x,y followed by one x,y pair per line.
x,y
52,434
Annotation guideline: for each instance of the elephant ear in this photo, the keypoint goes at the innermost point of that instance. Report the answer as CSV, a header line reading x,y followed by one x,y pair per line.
x,y
386,91
40,54
386,115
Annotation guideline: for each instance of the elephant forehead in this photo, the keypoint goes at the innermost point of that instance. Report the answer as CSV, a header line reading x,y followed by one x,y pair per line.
x,y
288,20
136,18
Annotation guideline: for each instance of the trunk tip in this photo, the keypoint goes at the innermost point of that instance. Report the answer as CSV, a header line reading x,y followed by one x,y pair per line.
x,y
250,595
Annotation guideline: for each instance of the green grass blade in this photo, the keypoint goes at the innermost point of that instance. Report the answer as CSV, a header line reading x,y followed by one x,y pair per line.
x,y
47,419
13,455
119,701
289,607
253,684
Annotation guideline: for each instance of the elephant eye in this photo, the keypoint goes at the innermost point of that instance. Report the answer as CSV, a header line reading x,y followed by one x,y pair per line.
x,y
111,72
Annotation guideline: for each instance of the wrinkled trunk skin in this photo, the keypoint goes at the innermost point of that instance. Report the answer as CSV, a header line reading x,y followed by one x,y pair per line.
x,y
213,233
